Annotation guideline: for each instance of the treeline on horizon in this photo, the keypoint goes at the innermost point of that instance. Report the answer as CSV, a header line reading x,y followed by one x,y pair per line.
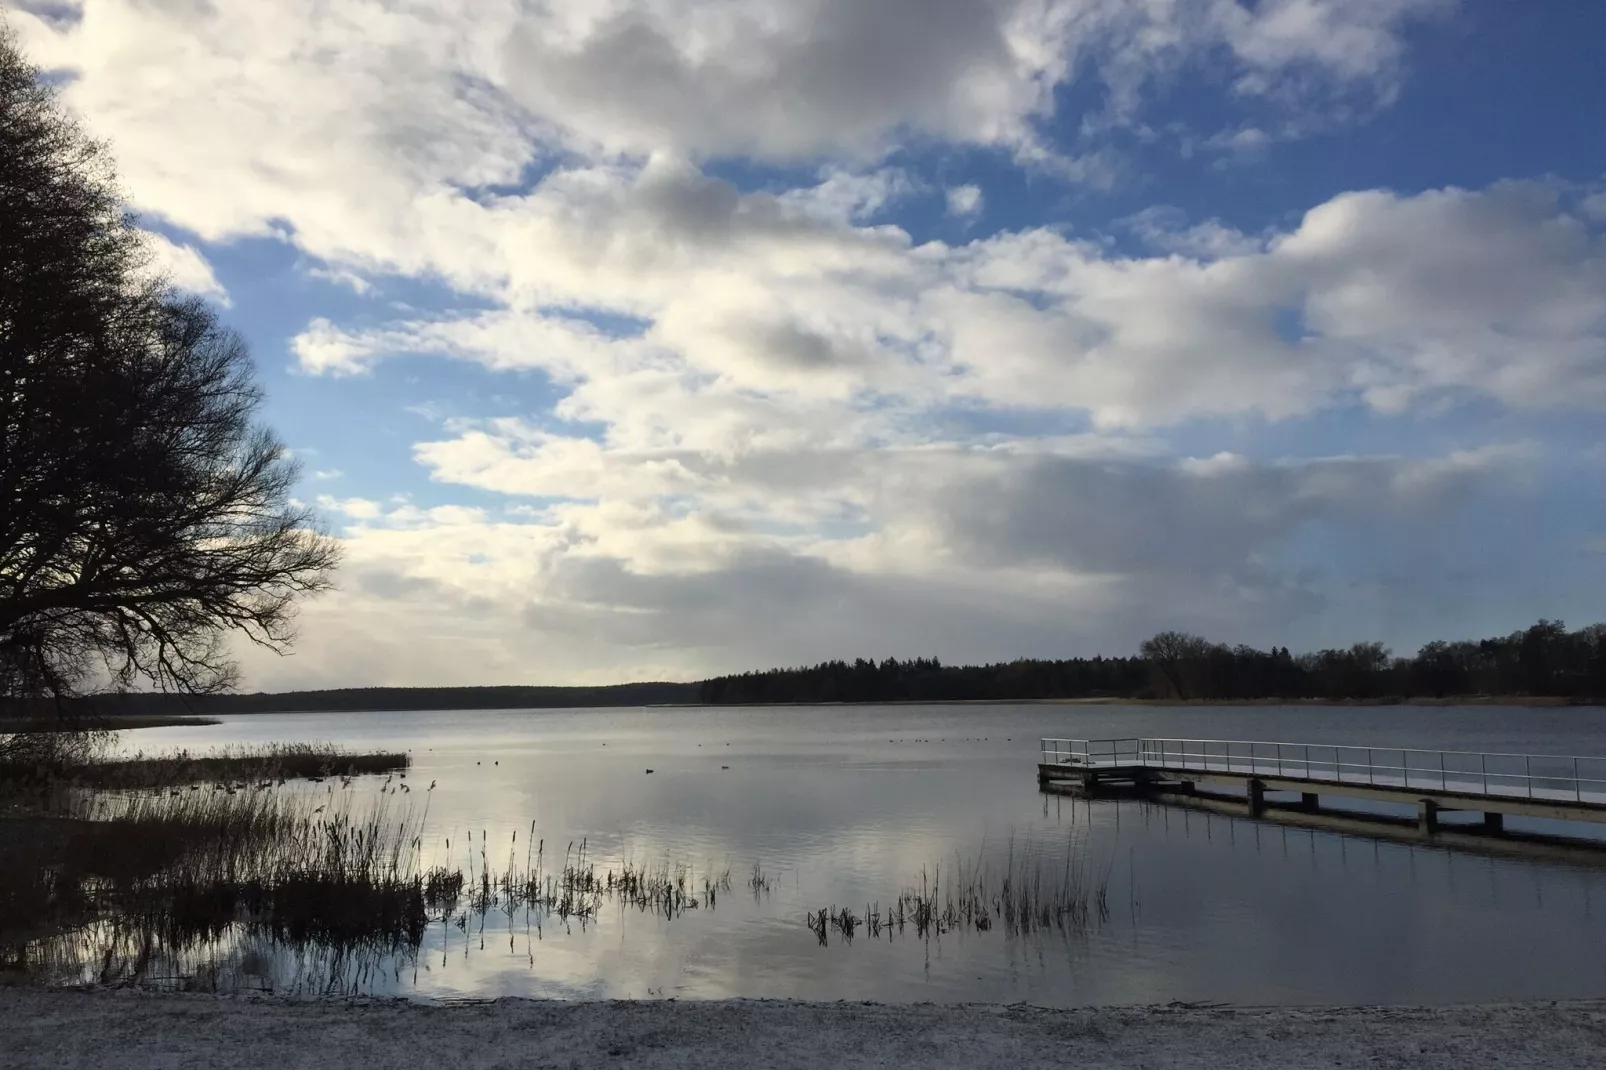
x,y
373,699
1545,660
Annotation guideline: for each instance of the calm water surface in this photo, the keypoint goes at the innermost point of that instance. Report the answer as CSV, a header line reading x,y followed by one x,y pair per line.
x,y
845,807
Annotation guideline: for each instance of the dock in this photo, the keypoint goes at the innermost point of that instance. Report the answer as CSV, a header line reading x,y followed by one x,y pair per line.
x,y
1557,787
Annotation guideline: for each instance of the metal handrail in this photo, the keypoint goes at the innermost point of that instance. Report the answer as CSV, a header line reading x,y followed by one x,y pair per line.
x,y
1356,746
1310,761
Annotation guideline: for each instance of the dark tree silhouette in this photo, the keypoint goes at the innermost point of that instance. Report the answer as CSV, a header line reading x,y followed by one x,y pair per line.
x,y
1545,660
1177,659
145,512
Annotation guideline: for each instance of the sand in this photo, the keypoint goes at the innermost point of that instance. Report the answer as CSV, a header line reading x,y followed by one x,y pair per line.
x,y
134,1031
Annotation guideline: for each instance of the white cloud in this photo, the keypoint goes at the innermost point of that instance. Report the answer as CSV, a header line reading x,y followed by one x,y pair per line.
x,y
1389,299
500,340
184,267
1246,141
1347,39
358,128
964,201
741,477
796,412
1499,292
1167,230
355,508
342,277
975,552
844,196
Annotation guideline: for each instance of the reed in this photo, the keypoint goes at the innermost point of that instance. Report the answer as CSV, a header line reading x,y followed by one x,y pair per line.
x,y
581,886
137,879
191,863
146,878
240,767
1029,891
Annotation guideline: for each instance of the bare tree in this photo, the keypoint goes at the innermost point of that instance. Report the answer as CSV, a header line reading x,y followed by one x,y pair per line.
x,y
1174,657
146,514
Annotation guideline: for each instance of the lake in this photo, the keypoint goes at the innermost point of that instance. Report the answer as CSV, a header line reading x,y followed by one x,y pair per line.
x,y
847,807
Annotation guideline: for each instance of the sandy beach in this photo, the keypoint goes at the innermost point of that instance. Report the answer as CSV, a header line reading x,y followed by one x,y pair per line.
x,y
134,1031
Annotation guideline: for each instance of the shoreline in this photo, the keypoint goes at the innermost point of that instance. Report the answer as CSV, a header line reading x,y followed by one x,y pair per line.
x,y
1522,701
116,722
129,1030
129,721
124,721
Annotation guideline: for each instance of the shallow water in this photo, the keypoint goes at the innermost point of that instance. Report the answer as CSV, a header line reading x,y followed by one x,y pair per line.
x,y
848,806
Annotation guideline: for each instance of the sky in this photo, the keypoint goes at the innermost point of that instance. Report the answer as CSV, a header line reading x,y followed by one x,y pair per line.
x,y
648,339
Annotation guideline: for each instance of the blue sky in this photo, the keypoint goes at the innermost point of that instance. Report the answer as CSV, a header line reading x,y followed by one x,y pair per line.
x,y
653,338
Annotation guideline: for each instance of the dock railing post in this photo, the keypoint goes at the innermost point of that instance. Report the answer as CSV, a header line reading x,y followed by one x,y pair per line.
x,y
1483,764
1371,777
1578,789
1444,785
1528,772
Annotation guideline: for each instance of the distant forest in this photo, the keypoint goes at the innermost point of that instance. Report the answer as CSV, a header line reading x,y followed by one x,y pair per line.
x,y
1544,660
358,699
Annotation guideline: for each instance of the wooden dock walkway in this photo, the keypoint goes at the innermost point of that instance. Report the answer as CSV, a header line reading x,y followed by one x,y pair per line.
x,y
1559,787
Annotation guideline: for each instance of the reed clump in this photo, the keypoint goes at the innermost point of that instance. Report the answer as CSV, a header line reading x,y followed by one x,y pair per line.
x,y
240,767
578,886
187,867
132,886
1027,892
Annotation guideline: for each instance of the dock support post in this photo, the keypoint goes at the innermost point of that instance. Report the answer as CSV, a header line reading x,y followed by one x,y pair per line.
x,y
1427,815
1307,800
1494,822
1186,787
1257,798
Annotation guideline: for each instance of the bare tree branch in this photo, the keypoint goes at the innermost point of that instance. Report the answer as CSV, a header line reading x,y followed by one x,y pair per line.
x,y
146,513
